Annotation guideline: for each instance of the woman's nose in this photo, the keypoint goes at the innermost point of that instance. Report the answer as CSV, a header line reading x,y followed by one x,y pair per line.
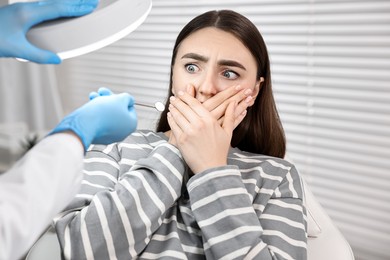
x,y
206,88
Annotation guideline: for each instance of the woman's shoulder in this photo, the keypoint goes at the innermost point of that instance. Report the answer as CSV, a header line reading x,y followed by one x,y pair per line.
x,y
252,159
140,142
148,137
269,171
259,165
140,139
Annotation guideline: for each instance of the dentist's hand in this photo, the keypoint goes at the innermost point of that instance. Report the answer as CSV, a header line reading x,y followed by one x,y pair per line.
x,y
103,120
16,19
100,92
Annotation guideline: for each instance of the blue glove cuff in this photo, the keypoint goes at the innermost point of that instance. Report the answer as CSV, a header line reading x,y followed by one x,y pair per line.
x,y
69,124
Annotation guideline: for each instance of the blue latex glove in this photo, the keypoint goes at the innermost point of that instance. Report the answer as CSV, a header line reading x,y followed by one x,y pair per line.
x,y
100,92
16,19
103,120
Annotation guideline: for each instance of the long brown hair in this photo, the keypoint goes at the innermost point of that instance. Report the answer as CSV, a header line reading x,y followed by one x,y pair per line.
x,y
261,131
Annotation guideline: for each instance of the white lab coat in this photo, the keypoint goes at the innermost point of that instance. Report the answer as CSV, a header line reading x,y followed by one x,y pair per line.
x,y
35,189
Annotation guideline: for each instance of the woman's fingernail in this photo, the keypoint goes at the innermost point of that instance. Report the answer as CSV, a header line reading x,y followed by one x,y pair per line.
x,y
181,93
238,87
248,99
248,92
172,98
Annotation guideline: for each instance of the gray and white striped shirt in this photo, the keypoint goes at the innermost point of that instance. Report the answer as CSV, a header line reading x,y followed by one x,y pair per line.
x,y
137,201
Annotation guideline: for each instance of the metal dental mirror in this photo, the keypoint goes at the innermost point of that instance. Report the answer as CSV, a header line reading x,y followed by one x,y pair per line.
x,y
159,106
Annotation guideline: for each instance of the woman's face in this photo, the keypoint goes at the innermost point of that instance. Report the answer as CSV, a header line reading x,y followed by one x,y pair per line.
x,y
213,60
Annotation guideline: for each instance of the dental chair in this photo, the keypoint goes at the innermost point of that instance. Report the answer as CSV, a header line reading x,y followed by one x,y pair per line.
x,y
325,241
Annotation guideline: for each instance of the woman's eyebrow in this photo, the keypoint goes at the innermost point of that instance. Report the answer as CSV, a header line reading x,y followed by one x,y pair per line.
x,y
231,63
202,58
195,57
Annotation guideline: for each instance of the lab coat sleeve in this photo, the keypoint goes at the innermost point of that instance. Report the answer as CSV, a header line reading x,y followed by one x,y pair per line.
x,y
35,189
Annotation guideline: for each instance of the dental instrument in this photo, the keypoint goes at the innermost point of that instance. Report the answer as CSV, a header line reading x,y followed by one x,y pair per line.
x,y
159,106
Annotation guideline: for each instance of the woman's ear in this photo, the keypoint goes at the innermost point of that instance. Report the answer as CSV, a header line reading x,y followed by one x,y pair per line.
x,y
257,88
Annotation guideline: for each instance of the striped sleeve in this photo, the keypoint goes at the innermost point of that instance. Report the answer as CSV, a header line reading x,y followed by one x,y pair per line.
x,y
113,222
231,223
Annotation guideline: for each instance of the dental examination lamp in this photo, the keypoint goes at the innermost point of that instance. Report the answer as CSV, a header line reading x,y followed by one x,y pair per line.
x,y
71,37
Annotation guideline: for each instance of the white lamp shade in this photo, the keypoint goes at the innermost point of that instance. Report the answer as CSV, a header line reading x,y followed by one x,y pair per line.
x,y
111,21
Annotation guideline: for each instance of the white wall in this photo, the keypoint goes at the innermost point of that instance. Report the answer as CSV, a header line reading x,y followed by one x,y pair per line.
x,y
331,76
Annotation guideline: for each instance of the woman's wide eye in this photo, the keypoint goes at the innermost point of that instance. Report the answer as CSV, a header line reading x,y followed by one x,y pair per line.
x,y
191,68
230,74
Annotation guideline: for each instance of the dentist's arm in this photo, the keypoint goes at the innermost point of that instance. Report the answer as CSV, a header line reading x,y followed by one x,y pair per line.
x,y
16,19
47,178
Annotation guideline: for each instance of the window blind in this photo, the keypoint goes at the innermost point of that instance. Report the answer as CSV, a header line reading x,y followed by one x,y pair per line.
x,y
331,78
